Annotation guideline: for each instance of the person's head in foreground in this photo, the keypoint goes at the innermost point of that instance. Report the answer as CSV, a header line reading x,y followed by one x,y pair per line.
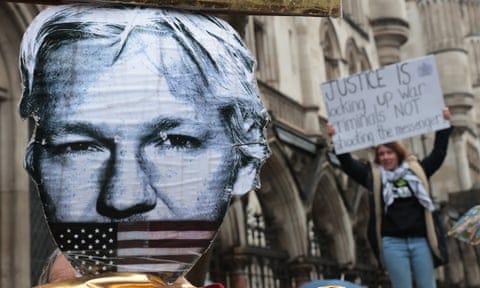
x,y
146,121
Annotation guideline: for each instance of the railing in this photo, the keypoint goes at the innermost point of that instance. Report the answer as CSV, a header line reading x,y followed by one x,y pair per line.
x,y
262,267
256,231
266,268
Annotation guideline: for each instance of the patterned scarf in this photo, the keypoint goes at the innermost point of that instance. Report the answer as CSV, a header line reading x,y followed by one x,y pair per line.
x,y
415,184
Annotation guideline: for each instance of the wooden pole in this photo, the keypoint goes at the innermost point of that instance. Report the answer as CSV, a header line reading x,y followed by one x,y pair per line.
x,y
318,8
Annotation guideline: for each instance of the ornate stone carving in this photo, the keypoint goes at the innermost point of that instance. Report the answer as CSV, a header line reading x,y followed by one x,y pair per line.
x,y
390,34
442,25
390,29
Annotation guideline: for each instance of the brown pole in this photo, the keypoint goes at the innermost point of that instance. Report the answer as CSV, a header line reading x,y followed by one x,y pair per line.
x,y
319,8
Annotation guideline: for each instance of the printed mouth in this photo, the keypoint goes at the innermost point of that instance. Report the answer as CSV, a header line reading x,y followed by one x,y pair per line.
x,y
164,248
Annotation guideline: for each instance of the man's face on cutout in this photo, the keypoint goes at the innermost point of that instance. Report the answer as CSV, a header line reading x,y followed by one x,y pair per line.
x,y
118,145
146,123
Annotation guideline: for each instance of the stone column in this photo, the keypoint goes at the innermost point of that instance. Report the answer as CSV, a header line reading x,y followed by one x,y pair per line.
x,y
459,147
300,272
312,125
390,28
238,277
445,39
14,196
471,9
14,184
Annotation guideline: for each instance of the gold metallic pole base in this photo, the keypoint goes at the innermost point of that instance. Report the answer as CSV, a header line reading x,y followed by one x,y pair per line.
x,y
117,280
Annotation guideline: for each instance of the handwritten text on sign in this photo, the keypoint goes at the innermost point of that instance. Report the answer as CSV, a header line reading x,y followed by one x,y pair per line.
x,y
391,103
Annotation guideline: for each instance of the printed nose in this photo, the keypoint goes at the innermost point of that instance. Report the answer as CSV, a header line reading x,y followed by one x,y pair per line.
x,y
127,190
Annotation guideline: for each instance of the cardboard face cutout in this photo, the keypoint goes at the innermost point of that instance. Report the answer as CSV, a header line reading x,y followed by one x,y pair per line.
x,y
147,121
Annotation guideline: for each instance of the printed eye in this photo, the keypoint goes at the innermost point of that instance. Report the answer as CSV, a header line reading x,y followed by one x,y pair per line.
x,y
179,142
76,147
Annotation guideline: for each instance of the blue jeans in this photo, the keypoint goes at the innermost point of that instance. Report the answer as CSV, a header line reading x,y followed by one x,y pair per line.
x,y
402,256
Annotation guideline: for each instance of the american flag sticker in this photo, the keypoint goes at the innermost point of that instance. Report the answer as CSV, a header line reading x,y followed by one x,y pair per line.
x,y
167,248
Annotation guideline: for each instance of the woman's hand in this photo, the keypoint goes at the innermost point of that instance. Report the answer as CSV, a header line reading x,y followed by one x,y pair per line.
x,y
446,114
330,130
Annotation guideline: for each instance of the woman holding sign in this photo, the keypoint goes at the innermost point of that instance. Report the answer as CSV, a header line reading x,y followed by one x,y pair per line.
x,y
401,226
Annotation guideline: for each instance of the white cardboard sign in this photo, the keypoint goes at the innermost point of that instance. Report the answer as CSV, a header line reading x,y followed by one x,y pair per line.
x,y
384,105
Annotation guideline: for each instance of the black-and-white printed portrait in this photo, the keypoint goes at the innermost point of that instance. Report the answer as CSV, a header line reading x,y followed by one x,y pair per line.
x,y
146,122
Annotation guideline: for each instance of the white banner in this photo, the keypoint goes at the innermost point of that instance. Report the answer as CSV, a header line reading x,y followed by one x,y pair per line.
x,y
384,105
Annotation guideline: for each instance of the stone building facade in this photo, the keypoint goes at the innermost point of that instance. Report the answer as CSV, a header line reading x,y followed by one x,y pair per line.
x,y
308,220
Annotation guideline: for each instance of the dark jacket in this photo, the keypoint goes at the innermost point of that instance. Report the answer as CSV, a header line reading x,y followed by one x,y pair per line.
x,y
366,174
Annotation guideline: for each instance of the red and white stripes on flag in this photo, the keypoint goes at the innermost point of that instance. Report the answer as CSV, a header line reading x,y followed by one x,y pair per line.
x,y
160,247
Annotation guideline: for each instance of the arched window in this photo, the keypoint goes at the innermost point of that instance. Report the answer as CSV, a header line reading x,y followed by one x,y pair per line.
x,y
364,61
331,50
263,271
314,250
14,183
353,57
261,265
313,246
353,12
264,51
320,254
260,274
255,223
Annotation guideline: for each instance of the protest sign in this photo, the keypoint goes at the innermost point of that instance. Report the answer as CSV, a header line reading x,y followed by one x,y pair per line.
x,y
384,105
